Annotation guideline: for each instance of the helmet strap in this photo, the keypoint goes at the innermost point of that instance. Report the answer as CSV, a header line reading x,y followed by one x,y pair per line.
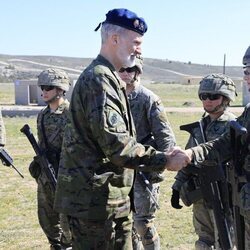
x,y
135,78
58,95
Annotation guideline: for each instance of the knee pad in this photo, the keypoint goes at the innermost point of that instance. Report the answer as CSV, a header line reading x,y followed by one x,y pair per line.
x,y
147,232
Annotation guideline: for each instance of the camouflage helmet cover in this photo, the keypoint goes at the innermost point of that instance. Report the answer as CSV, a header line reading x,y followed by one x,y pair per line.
x,y
246,58
54,77
218,84
139,63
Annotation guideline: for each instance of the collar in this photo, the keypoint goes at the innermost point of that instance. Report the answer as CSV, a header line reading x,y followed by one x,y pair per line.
x,y
60,109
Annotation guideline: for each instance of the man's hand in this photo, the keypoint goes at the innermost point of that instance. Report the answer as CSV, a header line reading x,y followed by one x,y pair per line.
x,y
178,158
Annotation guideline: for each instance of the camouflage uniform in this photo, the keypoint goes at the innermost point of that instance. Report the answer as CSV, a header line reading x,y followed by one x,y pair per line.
x,y
153,129
50,131
223,147
203,218
100,153
210,127
54,124
2,131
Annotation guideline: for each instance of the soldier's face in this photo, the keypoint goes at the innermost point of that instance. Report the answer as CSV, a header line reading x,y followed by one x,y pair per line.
x,y
129,46
127,76
48,92
247,76
210,105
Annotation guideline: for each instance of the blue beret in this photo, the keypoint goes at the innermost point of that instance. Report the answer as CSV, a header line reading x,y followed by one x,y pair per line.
x,y
126,19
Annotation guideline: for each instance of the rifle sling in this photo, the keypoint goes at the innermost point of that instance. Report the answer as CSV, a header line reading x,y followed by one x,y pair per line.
x,y
43,133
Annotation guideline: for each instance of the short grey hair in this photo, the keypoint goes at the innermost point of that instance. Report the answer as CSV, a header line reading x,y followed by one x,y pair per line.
x,y
110,29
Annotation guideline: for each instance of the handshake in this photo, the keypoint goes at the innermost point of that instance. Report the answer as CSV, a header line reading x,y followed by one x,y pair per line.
x,y
178,158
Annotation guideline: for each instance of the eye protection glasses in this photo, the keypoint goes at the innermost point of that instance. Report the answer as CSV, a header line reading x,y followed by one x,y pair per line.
x,y
47,88
128,70
211,97
246,72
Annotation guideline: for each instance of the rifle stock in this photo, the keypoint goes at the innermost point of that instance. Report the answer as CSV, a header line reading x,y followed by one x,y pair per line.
x,y
45,165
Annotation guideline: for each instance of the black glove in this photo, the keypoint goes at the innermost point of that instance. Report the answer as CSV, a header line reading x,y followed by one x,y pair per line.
x,y
175,199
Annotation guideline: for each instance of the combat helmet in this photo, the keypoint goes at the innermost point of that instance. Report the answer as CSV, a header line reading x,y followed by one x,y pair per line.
x,y
218,84
246,58
54,77
139,63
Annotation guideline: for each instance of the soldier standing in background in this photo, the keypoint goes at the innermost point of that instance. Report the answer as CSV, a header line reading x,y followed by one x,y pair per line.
x,y
152,128
51,122
216,91
2,131
100,151
224,147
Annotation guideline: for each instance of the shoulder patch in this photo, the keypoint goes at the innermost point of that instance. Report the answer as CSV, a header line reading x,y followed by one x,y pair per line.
x,y
113,118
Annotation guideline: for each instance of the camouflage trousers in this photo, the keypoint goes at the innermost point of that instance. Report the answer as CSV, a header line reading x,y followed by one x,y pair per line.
x,y
245,210
145,235
247,233
112,234
49,219
205,228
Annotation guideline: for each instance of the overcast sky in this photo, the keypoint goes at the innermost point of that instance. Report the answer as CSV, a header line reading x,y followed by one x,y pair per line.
x,y
199,31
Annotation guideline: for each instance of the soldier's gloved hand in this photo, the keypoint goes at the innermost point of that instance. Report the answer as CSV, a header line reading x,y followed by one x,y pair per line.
x,y
34,167
175,199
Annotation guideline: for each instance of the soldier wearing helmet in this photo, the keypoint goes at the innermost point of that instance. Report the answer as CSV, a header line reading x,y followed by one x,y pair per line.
x,y
152,128
246,63
214,86
53,79
216,91
51,122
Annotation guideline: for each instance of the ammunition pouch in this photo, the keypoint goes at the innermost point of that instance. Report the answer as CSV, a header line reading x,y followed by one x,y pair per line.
x,y
190,192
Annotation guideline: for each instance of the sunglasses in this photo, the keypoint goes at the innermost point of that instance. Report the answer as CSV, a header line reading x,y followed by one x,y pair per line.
x,y
211,97
47,88
128,70
246,72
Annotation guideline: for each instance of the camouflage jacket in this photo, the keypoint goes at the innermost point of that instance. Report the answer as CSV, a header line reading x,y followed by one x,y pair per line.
x,y
100,149
54,125
151,123
222,145
2,131
212,130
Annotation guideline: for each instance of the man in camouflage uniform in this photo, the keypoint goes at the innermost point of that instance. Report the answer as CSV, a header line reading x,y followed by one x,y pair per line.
x,y
215,91
152,128
2,131
100,151
51,122
224,147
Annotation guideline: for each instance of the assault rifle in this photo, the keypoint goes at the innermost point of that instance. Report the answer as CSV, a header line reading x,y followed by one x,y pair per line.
x,y
7,160
43,161
235,175
212,185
